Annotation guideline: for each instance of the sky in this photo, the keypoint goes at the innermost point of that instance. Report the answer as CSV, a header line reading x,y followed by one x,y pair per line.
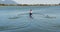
x,y
30,1
37,1
7,2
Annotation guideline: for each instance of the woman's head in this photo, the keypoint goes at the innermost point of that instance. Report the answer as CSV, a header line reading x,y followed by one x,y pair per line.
x,y
30,9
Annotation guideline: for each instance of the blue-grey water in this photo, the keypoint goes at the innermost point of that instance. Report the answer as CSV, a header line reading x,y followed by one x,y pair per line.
x,y
16,19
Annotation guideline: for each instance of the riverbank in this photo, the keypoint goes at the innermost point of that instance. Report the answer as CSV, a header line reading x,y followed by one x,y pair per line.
x,y
29,4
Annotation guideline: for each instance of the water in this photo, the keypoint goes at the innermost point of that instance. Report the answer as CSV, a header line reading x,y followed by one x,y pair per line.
x,y
16,19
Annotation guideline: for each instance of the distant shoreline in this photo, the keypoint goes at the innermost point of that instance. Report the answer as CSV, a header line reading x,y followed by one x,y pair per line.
x,y
29,4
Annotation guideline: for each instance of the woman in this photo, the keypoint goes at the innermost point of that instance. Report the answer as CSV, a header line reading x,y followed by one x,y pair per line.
x,y
30,13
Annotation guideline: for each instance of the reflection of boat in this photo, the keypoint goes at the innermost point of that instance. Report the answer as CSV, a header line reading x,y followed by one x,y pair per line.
x,y
49,17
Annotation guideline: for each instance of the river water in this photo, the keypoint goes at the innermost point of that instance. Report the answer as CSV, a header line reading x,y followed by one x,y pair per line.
x,y
16,19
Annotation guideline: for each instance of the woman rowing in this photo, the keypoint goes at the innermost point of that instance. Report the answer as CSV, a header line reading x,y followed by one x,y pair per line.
x,y
30,13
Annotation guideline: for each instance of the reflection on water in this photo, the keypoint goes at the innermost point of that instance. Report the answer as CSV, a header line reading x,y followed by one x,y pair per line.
x,y
18,20
6,28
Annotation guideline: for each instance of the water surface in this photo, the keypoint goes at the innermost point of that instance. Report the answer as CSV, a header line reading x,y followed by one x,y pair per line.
x,y
16,19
